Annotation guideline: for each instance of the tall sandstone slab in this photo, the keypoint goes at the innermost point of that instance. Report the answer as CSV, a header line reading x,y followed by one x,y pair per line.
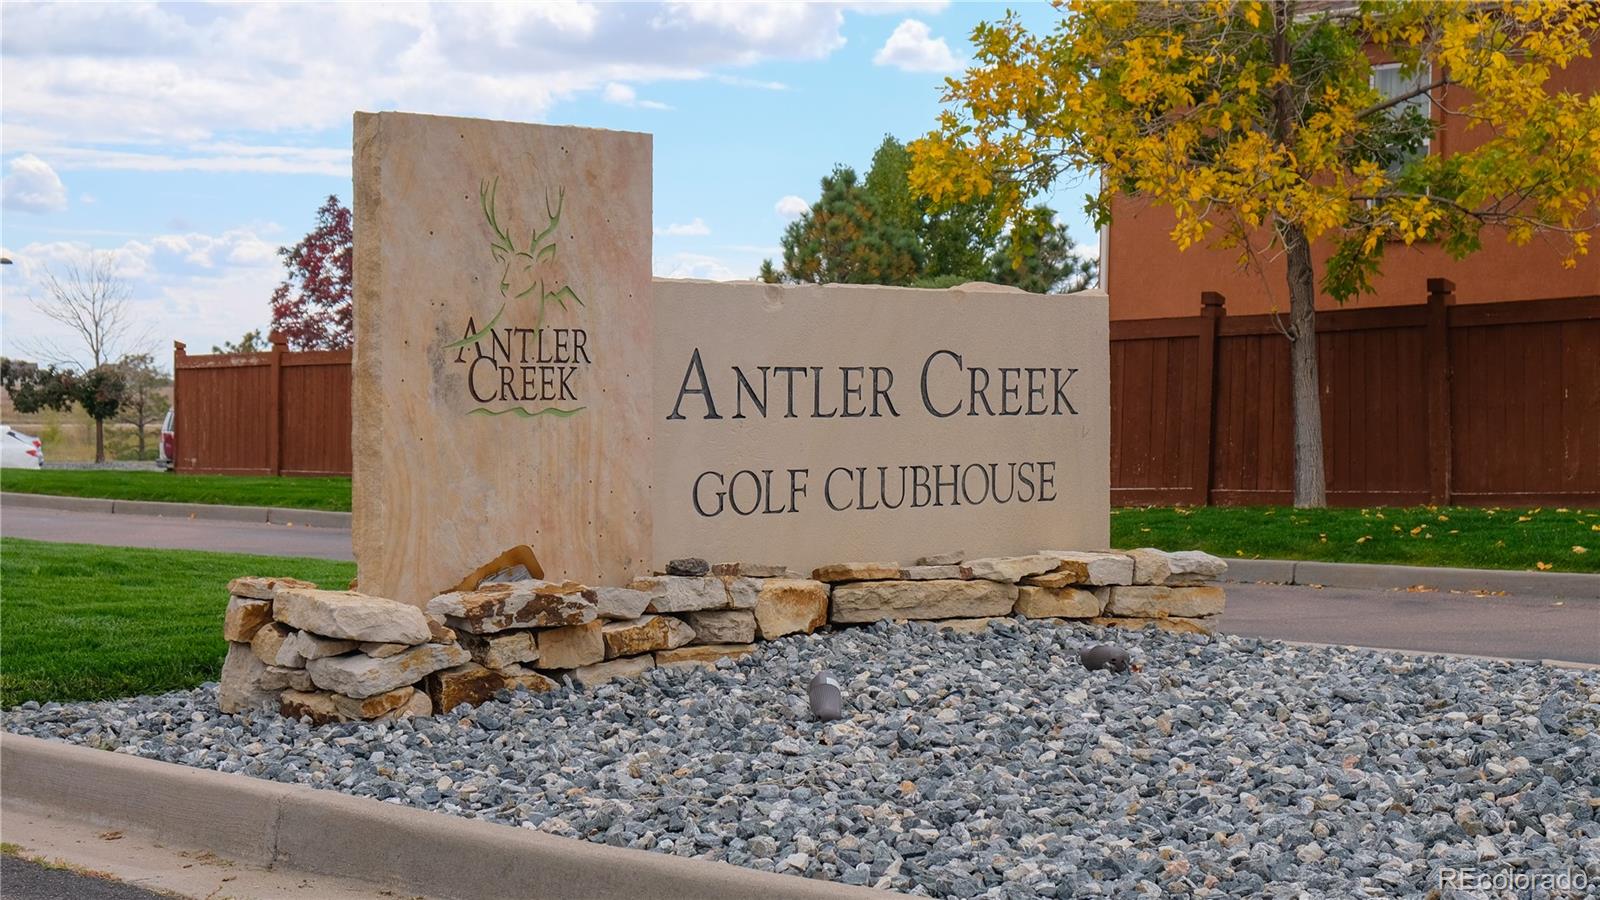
x,y
503,340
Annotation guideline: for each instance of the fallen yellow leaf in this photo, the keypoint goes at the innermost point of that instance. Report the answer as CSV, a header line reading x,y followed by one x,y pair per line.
x,y
1364,538
1577,549
1543,566
1524,518
1444,518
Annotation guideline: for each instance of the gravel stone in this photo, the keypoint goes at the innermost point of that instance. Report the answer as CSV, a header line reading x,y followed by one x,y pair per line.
x,y
985,765
688,566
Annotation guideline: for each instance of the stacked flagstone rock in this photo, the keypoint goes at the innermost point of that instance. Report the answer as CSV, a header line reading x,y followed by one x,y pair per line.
x,y
344,656
530,633
1134,589
505,627
332,656
725,607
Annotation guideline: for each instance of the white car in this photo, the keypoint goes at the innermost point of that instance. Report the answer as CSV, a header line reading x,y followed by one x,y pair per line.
x,y
20,451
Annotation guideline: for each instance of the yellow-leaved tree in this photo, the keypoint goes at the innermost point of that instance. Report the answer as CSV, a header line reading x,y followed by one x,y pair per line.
x,y
1263,127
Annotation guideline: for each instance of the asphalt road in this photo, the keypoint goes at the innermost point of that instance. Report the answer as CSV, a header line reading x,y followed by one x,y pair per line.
x,y
174,533
1523,627
26,880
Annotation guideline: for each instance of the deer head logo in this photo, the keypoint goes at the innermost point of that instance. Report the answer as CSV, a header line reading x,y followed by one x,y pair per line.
x,y
520,275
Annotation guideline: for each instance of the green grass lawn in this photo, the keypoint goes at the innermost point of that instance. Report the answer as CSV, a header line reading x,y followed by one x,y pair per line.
x,y
1545,538
232,490
82,622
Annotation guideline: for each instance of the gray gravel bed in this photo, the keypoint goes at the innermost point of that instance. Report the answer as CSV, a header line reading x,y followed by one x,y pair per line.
x,y
988,765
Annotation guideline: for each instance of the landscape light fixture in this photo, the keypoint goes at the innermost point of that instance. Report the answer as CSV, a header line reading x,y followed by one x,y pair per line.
x,y
827,701
1105,656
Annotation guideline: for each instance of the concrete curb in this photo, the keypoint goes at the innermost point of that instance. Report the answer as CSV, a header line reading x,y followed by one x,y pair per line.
x,y
1277,571
214,511
327,832
1567,585
46,501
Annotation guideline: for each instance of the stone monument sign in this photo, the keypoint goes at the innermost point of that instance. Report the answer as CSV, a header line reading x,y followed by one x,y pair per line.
x,y
500,379
518,379
808,425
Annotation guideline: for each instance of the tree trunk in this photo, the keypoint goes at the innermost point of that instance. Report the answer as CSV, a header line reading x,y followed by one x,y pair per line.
x,y
141,439
1310,482
99,440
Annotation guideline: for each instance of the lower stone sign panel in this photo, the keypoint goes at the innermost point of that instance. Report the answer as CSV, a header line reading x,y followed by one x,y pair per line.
x,y
807,424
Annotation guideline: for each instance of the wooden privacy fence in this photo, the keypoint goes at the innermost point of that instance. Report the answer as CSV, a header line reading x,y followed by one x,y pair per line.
x,y
1476,404
272,413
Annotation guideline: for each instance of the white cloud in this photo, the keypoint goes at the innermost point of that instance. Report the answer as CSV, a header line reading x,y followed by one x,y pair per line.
x,y
623,95
214,157
86,199
32,186
791,207
153,87
913,48
740,81
193,287
696,228
696,265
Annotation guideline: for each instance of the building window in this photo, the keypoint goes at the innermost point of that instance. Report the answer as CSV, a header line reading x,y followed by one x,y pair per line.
x,y
1412,118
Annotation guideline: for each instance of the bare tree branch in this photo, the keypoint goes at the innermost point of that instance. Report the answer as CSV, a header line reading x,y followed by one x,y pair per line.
x,y
1401,98
92,300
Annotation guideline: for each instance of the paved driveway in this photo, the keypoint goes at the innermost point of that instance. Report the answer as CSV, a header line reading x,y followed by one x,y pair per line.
x,y
1522,627
27,880
175,533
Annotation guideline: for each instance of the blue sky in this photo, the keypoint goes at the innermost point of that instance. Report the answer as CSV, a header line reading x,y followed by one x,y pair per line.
x,y
191,141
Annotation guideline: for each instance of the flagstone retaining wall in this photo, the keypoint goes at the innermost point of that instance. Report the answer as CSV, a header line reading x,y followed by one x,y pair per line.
x,y
335,656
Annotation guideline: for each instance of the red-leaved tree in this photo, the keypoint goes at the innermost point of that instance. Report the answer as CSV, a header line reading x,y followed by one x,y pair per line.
x,y
311,308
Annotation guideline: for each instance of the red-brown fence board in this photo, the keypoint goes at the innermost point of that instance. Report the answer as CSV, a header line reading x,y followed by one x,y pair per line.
x,y
271,413
317,392
1154,401
1492,403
